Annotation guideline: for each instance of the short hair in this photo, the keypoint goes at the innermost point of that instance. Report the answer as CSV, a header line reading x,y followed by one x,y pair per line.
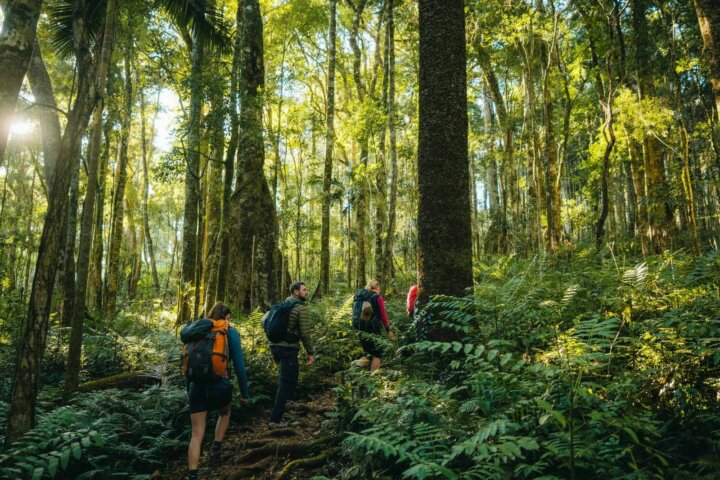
x,y
373,284
219,311
296,286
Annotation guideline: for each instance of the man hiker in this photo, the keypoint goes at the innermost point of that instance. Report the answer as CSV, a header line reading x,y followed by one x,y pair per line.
x,y
286,325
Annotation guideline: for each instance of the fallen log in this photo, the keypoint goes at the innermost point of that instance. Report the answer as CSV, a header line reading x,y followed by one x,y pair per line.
x,y
121,380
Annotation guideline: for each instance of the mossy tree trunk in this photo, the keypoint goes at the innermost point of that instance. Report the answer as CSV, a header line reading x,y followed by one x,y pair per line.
x,y
253,220
444,231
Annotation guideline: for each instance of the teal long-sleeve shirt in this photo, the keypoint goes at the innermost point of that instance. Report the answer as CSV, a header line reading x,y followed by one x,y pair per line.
x,y
238,360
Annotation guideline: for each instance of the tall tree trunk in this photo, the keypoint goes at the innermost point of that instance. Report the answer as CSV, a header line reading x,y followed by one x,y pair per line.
x,y
499,223
360,179
192,187
444,231
253,221
47,111
324,286
230,159
146,145
116,225
708,13
97,242
609,136
392,130
68,259
213,206
381,173
658,209
17,41
31,347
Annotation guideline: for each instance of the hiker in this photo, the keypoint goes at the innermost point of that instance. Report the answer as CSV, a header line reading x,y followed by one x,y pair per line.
x,y
410,301
369,317
208,344
286,325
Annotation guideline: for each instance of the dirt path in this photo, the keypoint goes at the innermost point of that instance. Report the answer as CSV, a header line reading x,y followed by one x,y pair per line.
x,y
252,450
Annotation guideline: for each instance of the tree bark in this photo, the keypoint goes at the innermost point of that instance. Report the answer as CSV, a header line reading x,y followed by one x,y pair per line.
x,y
17,42
146,150
213,206
98,240
68,259
324,286
708,13
444,232
253,221
31,347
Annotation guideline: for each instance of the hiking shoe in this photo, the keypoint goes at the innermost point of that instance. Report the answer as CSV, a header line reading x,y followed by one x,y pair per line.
x,y
276,425
215,457
362,362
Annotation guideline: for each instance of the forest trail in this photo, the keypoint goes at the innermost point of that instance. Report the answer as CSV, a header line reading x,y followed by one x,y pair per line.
x,y
252,450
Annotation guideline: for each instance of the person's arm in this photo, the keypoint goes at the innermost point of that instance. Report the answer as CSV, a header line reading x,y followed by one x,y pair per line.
x,y
383,313
304,324
238,359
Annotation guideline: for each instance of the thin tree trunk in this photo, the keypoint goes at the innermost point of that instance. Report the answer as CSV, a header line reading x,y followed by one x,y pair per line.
x,y
392,208
444,231
609,136
116,230
98,241
17,42
146,149
68,267
213,208
324,285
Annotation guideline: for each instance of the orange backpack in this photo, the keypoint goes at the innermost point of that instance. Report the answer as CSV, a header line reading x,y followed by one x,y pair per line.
x,y
205,359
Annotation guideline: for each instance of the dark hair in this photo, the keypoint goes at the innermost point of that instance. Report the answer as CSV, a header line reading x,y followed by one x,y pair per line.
x,y
219,311
296,286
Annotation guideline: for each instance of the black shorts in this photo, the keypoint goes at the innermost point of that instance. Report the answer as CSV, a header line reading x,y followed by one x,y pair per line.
x,y
371,347
204,397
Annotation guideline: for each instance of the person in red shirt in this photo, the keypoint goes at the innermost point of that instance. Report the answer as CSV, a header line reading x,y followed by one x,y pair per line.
x,y
410,302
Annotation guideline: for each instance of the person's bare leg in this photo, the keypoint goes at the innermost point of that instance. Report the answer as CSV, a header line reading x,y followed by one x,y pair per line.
x,y
198,432
223,422
376,362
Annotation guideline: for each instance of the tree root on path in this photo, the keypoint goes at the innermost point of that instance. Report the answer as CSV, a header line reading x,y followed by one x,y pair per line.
x,y
308,462
277,448
247,471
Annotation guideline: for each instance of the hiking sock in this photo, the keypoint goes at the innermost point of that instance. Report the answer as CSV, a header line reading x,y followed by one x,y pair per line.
x,y
192,475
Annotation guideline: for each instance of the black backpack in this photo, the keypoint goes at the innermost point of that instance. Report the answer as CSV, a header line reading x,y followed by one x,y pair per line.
x,y
364,316
275,322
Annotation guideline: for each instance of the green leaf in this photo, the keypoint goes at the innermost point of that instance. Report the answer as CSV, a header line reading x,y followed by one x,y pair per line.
x,y
76,450
53,464
65,458
491,355
38,473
